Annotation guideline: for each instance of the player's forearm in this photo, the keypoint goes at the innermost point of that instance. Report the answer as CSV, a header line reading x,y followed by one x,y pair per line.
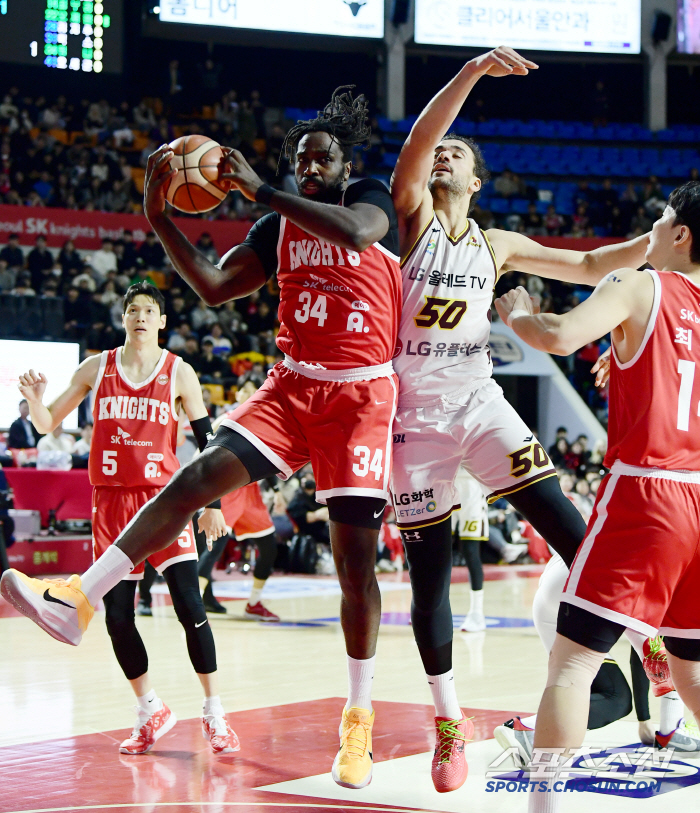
x,y
42,419
442,110
211,283
604,260
337,224
545,331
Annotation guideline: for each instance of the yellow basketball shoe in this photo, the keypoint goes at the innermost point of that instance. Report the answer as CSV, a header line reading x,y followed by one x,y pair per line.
x,y
352,766
59,607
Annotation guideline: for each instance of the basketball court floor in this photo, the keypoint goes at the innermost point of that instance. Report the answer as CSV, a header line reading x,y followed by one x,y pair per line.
x,y
64,710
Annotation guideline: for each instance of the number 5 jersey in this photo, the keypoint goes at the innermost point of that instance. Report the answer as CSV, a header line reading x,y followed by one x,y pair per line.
x,y
135,425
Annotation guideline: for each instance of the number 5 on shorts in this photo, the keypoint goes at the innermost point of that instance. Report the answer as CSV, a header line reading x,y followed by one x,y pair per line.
x,y
363,468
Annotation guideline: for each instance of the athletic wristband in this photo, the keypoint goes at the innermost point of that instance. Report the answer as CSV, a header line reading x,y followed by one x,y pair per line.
x,y
515,314
264,194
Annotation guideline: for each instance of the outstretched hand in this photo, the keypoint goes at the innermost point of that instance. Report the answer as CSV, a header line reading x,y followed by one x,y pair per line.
x,y
503,61
32,386
158,174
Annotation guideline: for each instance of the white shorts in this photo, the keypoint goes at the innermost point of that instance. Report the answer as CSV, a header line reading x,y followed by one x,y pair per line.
x,y
472,520
479,431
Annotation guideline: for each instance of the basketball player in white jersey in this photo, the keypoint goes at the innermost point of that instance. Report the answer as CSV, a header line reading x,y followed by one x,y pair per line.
x,y
451,412
647,510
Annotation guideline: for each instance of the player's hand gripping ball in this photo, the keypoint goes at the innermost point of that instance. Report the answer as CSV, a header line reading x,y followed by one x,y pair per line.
x,y
197,186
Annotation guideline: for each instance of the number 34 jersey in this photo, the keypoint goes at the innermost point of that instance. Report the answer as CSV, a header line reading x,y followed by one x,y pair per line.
x,y
444,332
134,434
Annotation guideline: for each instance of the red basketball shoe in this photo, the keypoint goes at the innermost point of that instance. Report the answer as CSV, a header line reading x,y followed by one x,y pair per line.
x,y
656,666
148,730
220,735
259,612
450,768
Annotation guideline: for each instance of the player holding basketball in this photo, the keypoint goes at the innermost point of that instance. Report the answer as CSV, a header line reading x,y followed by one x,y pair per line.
x,y
648,508
451,412
332,401
138,391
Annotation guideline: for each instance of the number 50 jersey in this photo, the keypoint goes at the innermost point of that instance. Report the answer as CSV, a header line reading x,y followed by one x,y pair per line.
x,y
446,320
134,433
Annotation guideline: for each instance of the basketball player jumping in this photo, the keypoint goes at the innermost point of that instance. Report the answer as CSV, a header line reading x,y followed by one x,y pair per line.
x,y
138,390
451,412
647,510
331,401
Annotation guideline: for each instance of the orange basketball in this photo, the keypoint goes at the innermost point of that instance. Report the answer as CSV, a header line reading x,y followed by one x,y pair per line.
x,y
198,186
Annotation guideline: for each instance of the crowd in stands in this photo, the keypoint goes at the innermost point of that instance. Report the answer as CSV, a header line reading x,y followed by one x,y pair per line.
x,y
92,155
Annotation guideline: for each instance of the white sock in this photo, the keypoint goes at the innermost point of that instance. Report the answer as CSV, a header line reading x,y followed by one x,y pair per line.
x,y
150,702
476,602
360,677
671,712
105,574
256,592
542,798
530,721
444,694
212,707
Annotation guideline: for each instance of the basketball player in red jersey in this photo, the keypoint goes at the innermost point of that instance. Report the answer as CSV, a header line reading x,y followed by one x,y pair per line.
x,y
648,509
138,391
331,401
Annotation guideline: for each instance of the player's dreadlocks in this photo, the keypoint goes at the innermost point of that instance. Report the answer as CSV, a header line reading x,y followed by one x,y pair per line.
x,y
344,118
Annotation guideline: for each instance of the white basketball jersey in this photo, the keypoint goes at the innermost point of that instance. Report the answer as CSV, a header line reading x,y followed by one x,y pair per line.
x,y
445,323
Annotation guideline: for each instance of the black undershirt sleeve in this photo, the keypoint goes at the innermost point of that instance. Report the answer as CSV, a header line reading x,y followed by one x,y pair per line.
x,y
372,191
263,238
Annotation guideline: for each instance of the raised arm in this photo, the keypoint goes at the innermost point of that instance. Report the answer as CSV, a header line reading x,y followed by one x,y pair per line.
x,y
355,227
413,168
240,271
33,385
623,301
517,252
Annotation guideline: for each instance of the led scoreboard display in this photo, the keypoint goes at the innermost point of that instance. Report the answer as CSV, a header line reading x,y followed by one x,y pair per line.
x,y
70,35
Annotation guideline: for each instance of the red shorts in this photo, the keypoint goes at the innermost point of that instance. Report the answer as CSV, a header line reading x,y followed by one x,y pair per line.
x,y
342,427
113,508
639,563
245,512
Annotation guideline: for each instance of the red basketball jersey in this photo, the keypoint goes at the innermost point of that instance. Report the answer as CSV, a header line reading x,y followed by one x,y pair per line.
x,y
338,308
135,425
655,397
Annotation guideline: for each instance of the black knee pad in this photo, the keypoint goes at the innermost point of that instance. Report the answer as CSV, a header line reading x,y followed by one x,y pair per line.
x,y
430,569
267,553
545,507
183,584
611,697
687,649
586,628
120,621
360,512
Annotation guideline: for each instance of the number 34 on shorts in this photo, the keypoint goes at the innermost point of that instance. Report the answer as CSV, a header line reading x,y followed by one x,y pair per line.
x,y
363,466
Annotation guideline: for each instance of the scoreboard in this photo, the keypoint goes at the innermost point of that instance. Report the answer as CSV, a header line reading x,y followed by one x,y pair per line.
x,y
69,35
